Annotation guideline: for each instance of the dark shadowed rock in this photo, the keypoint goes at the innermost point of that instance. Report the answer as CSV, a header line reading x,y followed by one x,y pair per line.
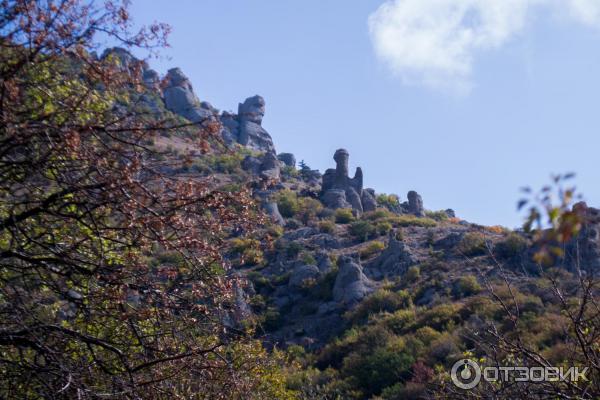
x,y
584,250
335,198
288,159
351,284
269,168
415,204
369,202
302,273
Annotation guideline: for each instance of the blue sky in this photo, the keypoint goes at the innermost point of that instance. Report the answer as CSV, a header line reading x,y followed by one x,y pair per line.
x,y
464,101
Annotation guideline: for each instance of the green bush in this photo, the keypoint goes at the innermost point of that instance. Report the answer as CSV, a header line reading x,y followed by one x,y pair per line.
x,y
440,317
472,244
344,215
400,320
362,230
511,247
371,248
249,251
383,227
378,369
287,202
326,226
439,216
293,249
382,300
466,286
307,258
413,273
411,220
308,209
388,200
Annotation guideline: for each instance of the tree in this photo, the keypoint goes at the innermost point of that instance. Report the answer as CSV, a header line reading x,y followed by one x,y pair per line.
x,y
85,208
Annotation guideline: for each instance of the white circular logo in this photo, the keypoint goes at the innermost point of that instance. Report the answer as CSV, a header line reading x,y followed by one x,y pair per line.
x,y
465,374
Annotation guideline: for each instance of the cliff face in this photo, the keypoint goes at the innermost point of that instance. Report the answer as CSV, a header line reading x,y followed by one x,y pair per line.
x,y
333,246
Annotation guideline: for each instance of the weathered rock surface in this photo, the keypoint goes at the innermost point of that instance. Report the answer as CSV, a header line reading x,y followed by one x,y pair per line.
x,y
288,159
302,274
415,204
393,261
351,284
340,191
179,97
584,250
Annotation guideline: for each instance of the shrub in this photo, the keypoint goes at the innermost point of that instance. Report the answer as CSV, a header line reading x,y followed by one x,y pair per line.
x,y
437,215
413,273
466,286
308,209
287,202
271,319
249,251
388,200
326,226
411,220
293,249
381,301
307,258
362,230
344,215
439,317
511,247
380,368
383,227
378,215
399,321
427,335
472,244
371,248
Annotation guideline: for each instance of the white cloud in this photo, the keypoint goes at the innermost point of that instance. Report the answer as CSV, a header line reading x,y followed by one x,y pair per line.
x,y
433,42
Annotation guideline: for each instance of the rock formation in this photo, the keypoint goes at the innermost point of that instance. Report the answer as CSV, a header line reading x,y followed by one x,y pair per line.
x,y
393,261
341,191
351,284
584,250
179,97
288,159
415,204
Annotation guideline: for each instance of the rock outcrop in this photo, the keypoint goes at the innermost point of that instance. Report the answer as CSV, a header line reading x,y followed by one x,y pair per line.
x,y
179,97
338,189
351,284
415,204
393,261
288,159
584,250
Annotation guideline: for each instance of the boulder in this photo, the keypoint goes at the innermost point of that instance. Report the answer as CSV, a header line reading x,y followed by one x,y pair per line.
x,y
251,164
584,250
269,168
251,134
393,261
368,200
302,273
335,198
179,97
415,204
351,285
288,159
